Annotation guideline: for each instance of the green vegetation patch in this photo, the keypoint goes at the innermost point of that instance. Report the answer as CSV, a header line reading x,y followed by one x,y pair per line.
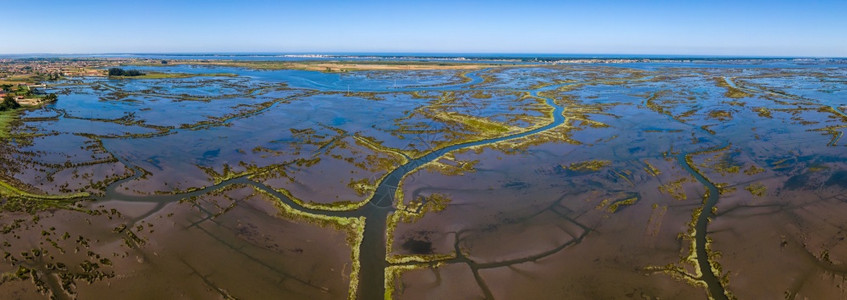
x,y
621,203
731,92
6,120
675,189
723,115
763,112
481,125
20,200
588,166
753,170
652,170
757,189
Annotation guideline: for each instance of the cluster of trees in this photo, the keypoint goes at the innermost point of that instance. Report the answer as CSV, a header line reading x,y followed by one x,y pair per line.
x,y
9,103
20,90
28,92
122,72
51,98
52,76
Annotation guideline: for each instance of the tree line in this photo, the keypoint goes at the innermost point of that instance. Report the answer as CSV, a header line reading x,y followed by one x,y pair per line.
x,y
122,72
9,103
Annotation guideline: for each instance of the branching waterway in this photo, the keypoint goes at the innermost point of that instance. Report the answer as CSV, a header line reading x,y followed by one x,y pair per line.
x,y
380,205
496,182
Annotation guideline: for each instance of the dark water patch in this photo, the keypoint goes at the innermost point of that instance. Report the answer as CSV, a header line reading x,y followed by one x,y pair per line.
x,y
338,121
796,182
703,140
634,150
838,178
417,246
556,170
211,153
516,185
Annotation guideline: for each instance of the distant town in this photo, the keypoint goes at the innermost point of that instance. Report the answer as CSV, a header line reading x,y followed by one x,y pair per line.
x,y
23,80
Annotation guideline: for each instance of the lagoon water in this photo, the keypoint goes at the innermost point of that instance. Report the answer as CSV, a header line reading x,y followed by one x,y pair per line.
x,y
653,179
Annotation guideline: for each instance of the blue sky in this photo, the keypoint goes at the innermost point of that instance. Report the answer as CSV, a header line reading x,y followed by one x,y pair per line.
x,y
771,28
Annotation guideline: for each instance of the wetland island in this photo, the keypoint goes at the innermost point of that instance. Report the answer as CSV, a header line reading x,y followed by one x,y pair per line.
x,y
190,177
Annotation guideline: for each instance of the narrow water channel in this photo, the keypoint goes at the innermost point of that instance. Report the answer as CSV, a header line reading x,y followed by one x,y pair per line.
x,y
373,247
373,251
716,289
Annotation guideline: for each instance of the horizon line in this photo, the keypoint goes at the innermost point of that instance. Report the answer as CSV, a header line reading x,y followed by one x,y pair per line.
x,y
406,53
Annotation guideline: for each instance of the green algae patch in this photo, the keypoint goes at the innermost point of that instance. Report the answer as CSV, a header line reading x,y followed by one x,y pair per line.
x,y
652,105
613,208
451,167
731,92
756,189
736,93
721,115
480,95
617,202
818,168
378,146
588,166
422,205
721,162
482,125
724,188
476,124
725,167
226,173
362,186
753,170
650,169
674,188
763,112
